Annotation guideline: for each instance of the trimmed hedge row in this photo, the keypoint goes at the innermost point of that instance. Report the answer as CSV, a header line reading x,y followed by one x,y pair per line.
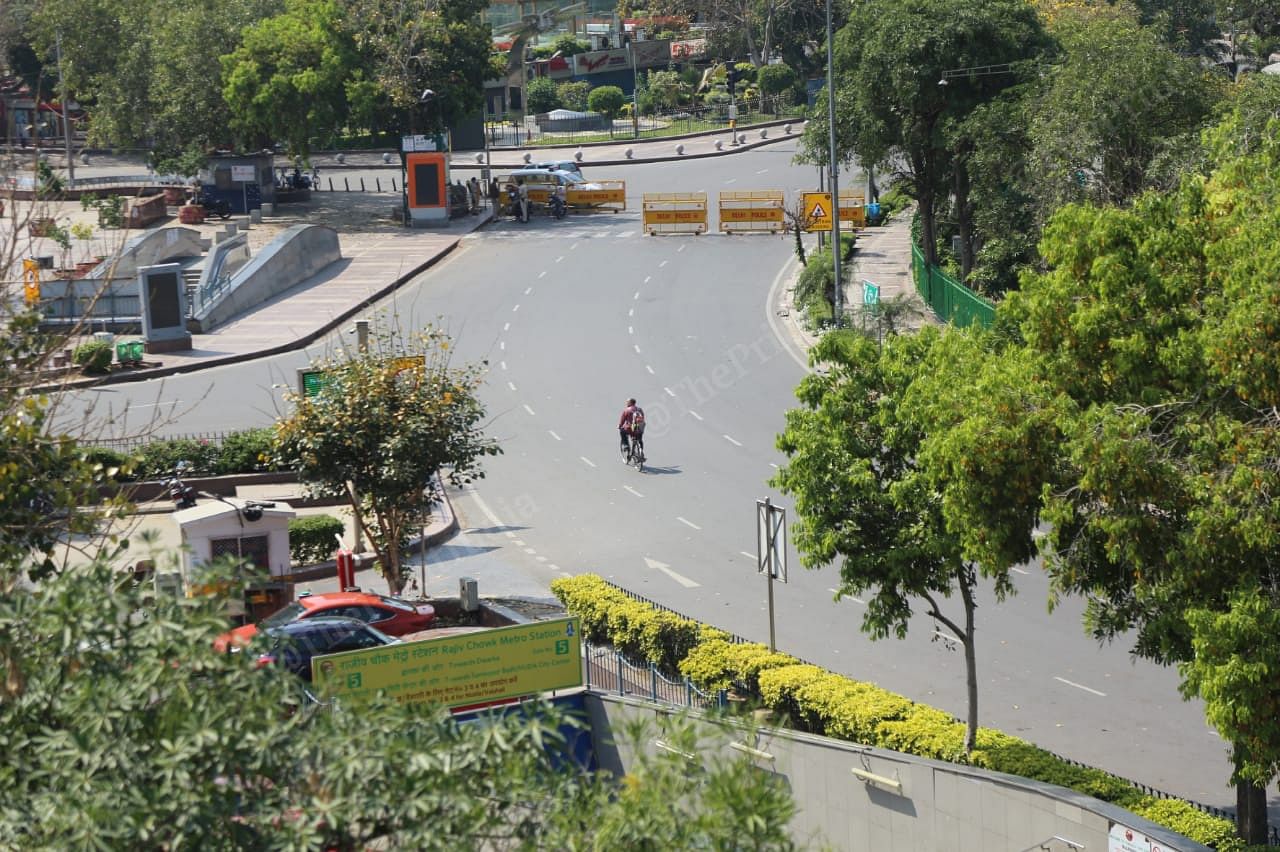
x,y
821,702
247,451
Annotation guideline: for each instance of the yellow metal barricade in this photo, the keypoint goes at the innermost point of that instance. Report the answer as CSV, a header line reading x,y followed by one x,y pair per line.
x,y
759,210
853,208
675,213
611,196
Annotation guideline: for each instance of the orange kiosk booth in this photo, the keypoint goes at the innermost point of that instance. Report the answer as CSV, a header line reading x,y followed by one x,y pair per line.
x,y
427,187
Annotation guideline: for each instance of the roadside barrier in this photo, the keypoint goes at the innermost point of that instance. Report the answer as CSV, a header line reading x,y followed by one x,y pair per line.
x,y
853,208
675,213
758,210
610,197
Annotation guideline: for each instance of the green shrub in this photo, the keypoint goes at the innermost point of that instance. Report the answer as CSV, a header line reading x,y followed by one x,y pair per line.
x,y
160,458
93,356
848,243
719,664
117,465
1186,820
815,700
311,538
245,452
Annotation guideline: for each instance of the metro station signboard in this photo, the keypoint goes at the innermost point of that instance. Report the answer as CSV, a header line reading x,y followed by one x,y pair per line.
x,y
459,670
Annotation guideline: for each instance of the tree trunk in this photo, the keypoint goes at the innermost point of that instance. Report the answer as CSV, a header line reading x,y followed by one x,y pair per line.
x,y
928,232
967,580
964,218
1251,810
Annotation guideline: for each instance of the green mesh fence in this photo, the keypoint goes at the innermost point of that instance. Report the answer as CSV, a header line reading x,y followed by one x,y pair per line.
x,y
950,300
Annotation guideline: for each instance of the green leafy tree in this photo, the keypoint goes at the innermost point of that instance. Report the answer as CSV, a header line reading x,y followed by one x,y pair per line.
x,y
1158,325
916,468
665,88
541,95
606,100
408,46
1119,98
385,423
775,80
149,72
125,728
569,45
892,113
286,82
574,95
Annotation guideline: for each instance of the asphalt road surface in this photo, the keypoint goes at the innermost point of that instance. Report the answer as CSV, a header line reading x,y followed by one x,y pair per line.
x,y
574,317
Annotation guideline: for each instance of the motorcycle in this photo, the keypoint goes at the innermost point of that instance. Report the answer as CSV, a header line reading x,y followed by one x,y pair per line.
x,y
182,495
219,207
558,208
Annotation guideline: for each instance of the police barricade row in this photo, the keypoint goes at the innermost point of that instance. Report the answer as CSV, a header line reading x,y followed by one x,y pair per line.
x,y
675,213
604,196
754,210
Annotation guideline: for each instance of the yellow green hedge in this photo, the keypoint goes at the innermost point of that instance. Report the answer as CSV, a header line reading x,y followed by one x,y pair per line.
x,y
816,700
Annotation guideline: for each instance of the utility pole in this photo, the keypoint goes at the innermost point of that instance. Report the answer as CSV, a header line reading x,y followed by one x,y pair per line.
x,y
635,90
838,306
66,123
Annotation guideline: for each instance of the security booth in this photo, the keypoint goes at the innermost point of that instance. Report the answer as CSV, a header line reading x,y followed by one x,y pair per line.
x,y
245,181
252,533
426,184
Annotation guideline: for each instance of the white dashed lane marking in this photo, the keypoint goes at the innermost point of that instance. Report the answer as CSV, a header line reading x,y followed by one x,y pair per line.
x,y
511,385
560,258
554,435
502,364
528,290
637,347
1079,686
632,490
650,369
516,308
506,327
647,279
695,415
530,410
688,523
588,462
664,263
670,392
732,441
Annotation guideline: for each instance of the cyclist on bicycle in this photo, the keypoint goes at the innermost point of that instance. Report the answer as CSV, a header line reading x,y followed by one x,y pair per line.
x,y
631,425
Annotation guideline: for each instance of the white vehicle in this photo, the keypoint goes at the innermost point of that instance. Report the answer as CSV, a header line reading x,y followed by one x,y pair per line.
x,y
536,177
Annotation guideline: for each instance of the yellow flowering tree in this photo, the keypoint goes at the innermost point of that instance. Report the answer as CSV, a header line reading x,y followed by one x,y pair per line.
x,y
381,424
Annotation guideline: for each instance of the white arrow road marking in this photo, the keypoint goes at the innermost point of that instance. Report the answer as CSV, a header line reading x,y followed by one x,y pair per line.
x,y
688,523
666,569
1078,686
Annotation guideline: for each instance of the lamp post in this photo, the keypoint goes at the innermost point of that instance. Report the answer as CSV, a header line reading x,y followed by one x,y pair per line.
x,y
833,171
635,89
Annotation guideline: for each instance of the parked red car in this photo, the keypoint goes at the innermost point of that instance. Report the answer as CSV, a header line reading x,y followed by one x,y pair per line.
x,y
392,616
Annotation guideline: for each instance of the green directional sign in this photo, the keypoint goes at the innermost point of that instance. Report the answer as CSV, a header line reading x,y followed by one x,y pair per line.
x,y
870,294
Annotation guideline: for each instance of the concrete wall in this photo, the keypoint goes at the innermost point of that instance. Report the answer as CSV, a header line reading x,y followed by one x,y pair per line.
x,y
298,253
939,806
148,249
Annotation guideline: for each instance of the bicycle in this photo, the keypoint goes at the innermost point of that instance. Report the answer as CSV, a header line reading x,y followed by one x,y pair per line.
x,y
633,455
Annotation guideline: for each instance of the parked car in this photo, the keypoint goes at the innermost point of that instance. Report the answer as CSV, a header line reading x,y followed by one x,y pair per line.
x,y
391,616
561,166
292,645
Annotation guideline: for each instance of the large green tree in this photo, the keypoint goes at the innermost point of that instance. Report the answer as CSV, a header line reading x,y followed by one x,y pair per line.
x,y
287,81
893,112
916,469
386,421
1158,324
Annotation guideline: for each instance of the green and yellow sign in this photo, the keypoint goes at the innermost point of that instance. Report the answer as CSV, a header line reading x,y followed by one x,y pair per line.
x,y
471,668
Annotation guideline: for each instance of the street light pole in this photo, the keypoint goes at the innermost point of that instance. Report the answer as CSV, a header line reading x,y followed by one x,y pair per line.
x,y
66,123
832,165
635,89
